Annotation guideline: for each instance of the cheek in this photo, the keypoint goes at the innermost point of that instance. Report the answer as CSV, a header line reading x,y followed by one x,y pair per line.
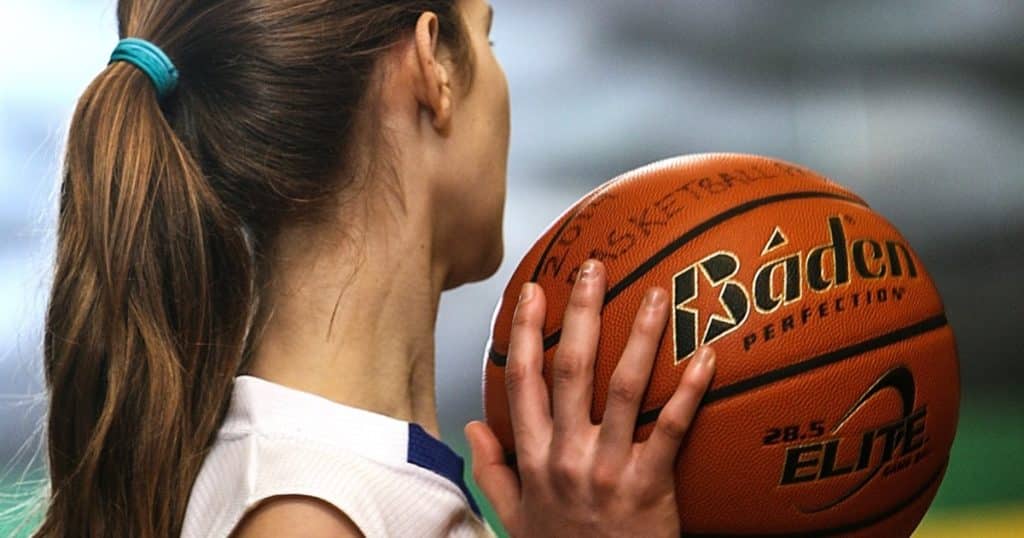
x,y
494,85
501,124
504,110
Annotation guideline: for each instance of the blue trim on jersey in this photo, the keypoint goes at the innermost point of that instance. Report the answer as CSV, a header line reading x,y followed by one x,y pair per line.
x,y
427,452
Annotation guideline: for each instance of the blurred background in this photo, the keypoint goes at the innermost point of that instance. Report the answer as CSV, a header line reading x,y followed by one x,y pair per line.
x,y
918,106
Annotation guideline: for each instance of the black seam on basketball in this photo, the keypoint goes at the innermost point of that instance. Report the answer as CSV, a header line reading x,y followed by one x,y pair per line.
x,y
848,352
848,527
580,206
802,367
547,249
549,341
496,358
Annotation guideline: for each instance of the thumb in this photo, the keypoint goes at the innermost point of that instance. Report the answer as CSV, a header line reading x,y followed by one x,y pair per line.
x,y
498,482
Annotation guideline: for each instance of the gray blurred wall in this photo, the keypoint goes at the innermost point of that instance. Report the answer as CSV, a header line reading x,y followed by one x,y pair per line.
x,y
917,106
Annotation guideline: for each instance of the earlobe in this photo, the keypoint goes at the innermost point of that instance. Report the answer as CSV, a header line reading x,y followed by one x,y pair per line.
x,y
443,112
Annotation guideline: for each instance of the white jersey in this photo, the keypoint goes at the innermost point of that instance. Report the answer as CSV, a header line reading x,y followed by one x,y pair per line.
x,y
390,477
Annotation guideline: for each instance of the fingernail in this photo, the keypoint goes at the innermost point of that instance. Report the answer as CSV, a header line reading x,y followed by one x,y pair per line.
x,y
526,293
654,298
705,357
589,270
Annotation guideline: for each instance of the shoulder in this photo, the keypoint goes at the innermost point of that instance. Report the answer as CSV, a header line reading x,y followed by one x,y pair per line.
x,y
295,515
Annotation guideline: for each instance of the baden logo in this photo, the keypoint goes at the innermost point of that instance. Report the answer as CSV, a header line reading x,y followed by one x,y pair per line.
x,y
780,280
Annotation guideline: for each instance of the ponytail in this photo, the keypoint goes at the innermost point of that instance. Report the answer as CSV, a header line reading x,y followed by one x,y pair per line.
x,y
165,208
146,320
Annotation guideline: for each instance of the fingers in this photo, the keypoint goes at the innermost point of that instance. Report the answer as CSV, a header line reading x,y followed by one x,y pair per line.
x,y
527,392
495,479
628,383
572,370
659,452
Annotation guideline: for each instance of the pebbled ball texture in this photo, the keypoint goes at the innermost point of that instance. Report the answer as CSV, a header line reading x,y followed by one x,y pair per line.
x,y
834,405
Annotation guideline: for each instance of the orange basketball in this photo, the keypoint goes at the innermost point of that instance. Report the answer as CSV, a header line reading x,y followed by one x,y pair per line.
x,y
834,404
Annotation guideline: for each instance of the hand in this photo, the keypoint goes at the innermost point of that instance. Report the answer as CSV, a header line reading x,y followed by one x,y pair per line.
x,y
577,478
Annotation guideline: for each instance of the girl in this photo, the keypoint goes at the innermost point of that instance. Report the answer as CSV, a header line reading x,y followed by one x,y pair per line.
x,y
261,204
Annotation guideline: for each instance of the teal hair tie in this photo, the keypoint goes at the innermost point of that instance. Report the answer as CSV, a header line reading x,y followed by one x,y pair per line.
x,y
150,60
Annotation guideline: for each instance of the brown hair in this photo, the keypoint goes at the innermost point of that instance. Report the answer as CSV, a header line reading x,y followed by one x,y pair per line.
x,y
165,210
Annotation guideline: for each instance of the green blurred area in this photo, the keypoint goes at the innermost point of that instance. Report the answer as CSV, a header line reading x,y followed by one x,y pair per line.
x,y
986,469
20,503
987,465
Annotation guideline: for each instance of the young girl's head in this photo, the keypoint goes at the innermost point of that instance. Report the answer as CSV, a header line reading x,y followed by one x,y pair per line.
x,y
286,112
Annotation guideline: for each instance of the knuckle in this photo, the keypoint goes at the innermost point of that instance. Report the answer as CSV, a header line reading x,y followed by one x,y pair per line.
x,y
478,474
647,327
528,467
625,389
605,479
521,319
568,365
673,427
691,385
566,469
515,375
583,297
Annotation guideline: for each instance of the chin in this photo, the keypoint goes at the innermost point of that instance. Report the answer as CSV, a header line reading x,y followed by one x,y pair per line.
x,y
494,260
480,268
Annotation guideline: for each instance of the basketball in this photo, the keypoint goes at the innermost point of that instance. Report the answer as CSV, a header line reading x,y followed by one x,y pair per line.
x,y
834,403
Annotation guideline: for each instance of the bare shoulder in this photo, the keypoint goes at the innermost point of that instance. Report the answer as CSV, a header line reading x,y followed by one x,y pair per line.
x,y
294,515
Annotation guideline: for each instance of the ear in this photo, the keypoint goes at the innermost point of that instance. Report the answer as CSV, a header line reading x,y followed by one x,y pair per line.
x,y
434,90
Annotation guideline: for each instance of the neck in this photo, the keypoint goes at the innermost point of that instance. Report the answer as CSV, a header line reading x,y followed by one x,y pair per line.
x,y
351,317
